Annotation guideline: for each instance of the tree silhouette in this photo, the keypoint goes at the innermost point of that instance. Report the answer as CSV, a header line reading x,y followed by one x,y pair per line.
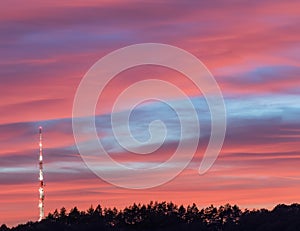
x,y
63,213
167,216
75,215
90,211
4,228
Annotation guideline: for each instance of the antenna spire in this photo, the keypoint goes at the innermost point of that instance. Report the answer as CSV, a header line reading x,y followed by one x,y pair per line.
x,y
41,178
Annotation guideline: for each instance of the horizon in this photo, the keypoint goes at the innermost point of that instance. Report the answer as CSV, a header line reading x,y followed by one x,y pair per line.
x,y
150,203
250,49
168,216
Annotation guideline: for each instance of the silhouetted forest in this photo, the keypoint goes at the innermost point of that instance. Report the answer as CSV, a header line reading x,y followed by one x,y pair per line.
x,y
168,216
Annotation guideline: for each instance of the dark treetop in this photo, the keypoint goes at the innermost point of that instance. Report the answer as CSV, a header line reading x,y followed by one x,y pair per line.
x,y
168,216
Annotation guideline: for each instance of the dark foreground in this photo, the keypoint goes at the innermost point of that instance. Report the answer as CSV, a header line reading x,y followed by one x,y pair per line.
x,y
168,216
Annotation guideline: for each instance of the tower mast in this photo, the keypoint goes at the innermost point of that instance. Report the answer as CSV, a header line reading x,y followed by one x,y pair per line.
x,y
41,178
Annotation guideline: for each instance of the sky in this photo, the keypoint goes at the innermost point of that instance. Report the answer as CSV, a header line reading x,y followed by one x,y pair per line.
x,y
252,48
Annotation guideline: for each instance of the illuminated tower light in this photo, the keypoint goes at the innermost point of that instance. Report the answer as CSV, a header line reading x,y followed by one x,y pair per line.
x,y
41,178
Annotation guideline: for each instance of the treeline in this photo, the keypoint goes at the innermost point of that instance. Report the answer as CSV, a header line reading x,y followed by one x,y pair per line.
x,y
168,216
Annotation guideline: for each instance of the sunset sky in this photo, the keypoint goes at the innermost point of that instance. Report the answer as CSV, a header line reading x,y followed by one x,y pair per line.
x,y
252,48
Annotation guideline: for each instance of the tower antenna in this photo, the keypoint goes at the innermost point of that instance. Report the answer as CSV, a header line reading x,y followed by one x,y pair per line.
x,y
41,178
